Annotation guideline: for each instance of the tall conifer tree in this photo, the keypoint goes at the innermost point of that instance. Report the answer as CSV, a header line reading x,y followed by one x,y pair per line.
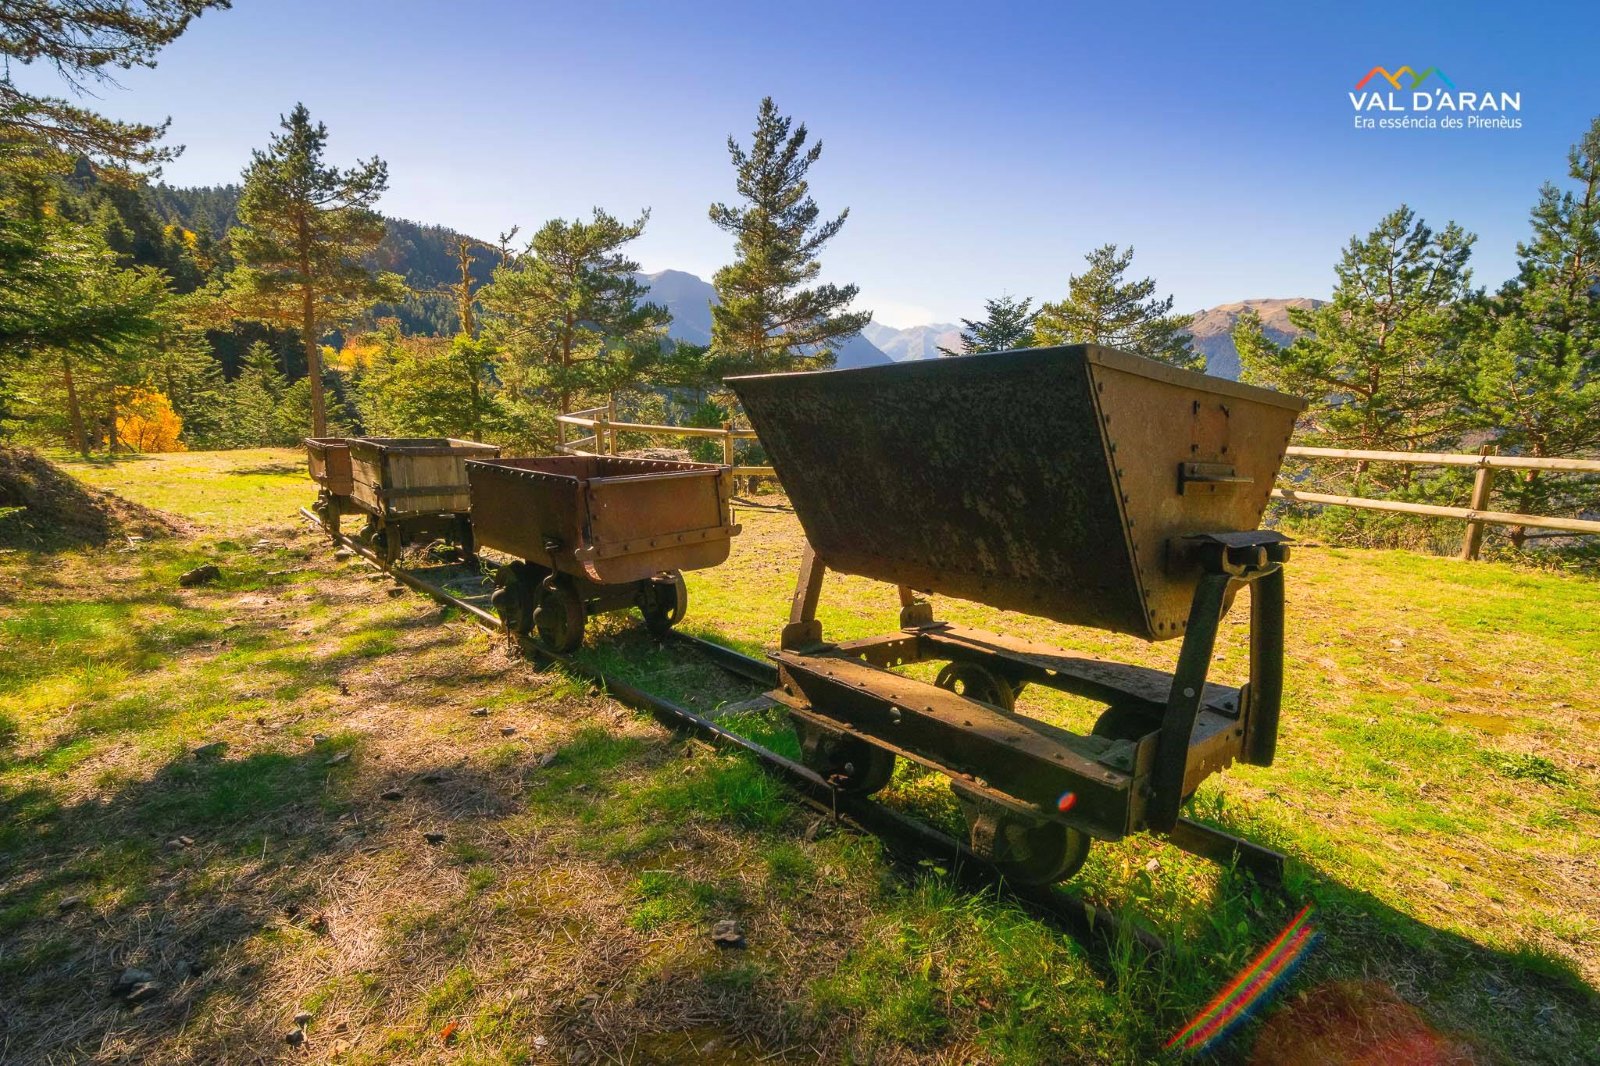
x,y
304,230
1538,377
1382,362
767,318
1007,324
559,311
1102,308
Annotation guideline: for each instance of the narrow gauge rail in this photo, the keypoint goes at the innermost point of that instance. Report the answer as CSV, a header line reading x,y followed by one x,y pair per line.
x,y
906,837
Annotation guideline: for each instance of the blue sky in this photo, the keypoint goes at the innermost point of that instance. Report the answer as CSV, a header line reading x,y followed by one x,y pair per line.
x,y
981,148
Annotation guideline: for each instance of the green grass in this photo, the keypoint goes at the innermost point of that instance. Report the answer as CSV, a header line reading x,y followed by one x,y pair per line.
x,y
1436,790
225,491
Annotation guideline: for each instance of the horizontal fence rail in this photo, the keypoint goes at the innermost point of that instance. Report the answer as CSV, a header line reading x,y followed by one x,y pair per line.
x,y
1484,459
1477,514
602,429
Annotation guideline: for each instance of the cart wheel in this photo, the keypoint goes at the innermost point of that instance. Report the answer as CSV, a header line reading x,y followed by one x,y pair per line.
x,y
559,616
850,765
663,603
512,598
977,683
1127,721
1027,852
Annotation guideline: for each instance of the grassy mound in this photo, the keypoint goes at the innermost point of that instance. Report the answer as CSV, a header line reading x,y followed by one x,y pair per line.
x,y
44,508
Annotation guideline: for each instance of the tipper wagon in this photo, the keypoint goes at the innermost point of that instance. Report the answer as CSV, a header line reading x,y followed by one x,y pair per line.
x,y
1079,484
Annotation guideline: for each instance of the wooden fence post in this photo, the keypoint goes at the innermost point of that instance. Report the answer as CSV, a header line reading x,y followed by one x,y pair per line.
x,y
1482,486
599,423
611,416
727,444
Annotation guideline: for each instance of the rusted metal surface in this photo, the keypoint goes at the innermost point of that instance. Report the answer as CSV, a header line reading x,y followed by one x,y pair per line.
x,y
607,519
1053,481
1080,484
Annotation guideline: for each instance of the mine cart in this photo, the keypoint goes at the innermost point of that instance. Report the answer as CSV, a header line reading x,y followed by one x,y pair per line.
x,y
597,533
1079,484
413,490
328,459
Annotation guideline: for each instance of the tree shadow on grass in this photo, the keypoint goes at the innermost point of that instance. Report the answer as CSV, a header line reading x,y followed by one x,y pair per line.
x,y
174,874
280,469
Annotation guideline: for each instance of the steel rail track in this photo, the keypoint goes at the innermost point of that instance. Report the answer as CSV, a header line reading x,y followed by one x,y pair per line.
x,y
907,838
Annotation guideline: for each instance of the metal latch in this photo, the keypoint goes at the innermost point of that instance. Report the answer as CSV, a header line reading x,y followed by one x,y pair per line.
x,y
1213,476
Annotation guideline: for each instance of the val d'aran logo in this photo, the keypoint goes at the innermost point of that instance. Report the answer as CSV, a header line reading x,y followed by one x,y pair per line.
x,y
1406,98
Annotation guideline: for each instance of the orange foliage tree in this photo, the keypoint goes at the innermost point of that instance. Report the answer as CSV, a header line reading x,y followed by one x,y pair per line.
x,y
148,423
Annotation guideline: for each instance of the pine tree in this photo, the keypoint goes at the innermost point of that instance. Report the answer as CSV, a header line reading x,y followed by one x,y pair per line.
x,y
251,414
1382,362
304,228
80,39
1007,324
1538,378
1102,308
767,318
559,310
424,386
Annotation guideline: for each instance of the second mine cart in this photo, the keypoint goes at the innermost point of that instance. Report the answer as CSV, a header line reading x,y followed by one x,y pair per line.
x,y
413,489
597,533
1079,484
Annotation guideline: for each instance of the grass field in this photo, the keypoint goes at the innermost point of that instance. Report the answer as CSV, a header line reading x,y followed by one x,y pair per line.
x,y
440,853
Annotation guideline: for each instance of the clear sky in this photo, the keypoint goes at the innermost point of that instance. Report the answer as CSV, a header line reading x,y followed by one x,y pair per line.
x,y
981,148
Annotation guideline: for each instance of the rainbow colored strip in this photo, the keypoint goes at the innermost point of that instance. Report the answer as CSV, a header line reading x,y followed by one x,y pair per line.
x,y
1254,985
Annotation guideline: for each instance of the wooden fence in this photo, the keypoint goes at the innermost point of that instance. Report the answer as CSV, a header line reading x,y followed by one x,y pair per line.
x,y
602,427
1477,514
601,438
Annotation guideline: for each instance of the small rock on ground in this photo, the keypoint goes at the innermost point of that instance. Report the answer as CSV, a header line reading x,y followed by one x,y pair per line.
x,y
303,1019
131,978
69,903
294,1037
143,991
200,575
727,934
393,794
433,838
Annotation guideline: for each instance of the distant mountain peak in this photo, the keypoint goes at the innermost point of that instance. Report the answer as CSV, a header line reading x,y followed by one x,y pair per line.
x,y
1212,329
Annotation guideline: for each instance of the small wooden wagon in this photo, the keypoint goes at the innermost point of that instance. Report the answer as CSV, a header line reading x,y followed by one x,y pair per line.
x,y
328,460
413,489
597,533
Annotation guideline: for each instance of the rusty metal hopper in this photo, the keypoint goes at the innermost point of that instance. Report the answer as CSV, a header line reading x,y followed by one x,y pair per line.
x,y
1058,482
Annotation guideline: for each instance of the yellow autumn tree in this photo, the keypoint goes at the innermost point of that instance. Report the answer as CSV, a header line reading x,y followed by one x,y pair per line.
x,y
147,423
